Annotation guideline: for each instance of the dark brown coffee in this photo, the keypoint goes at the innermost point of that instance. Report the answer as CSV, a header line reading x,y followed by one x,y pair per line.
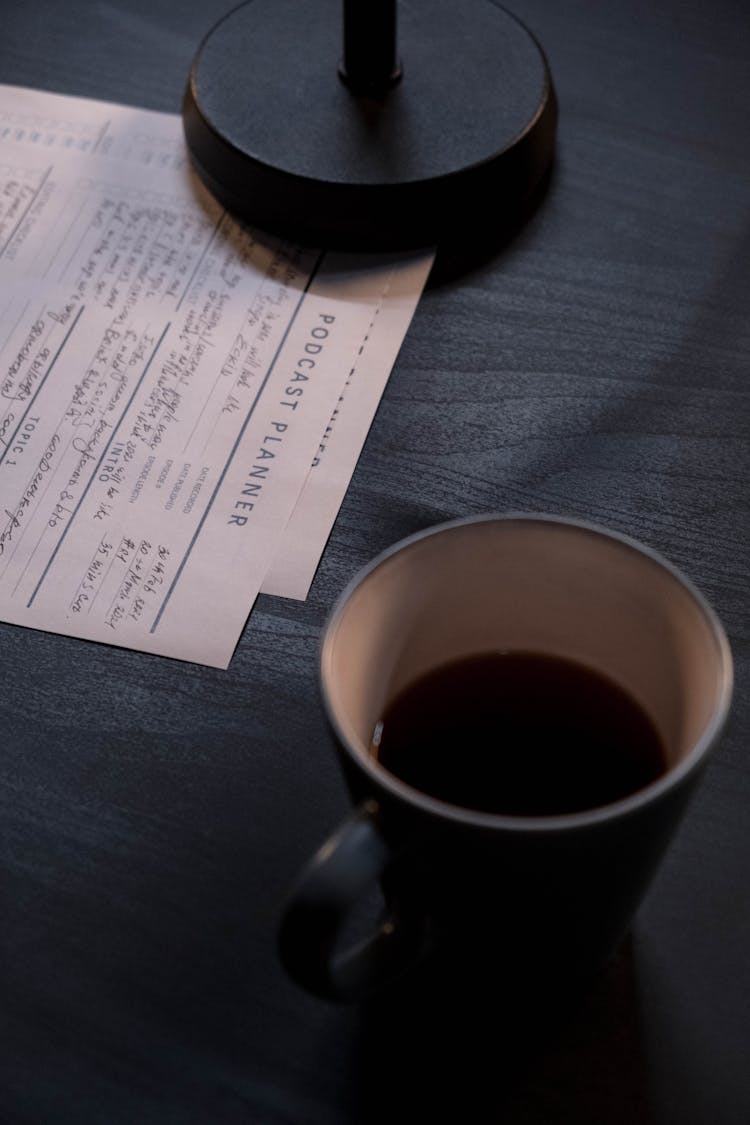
x,y
520,733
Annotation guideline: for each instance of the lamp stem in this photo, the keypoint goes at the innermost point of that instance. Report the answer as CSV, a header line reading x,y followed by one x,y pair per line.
x,y
370,63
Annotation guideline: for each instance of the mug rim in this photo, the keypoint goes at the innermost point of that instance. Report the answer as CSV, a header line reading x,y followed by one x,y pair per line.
x,y
623,807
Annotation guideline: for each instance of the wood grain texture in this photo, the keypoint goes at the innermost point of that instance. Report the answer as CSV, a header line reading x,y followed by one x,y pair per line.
x,y
152,814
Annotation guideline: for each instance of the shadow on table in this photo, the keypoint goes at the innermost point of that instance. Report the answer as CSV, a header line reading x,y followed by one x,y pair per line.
x,y
471,246
449,1050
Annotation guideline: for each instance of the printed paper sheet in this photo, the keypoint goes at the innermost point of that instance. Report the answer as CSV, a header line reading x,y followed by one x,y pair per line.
x,y
182,399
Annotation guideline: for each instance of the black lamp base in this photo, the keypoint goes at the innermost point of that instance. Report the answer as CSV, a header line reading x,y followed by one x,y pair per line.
x,y
460,141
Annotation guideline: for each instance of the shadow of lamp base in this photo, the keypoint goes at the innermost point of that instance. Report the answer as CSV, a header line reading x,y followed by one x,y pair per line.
x,y
456,142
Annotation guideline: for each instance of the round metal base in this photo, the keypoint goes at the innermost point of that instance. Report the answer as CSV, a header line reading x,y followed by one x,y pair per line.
x,y
456,145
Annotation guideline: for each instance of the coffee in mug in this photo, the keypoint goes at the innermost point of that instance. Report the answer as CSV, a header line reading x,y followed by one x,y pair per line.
x,y
519,734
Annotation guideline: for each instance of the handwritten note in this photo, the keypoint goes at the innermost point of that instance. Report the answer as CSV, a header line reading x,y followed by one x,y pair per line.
x,y
170,385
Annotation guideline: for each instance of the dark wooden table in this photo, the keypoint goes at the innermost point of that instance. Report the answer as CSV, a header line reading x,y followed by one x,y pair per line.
x,y
152,813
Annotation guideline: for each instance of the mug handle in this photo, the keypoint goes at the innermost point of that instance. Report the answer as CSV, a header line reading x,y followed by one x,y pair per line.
x,y
342,869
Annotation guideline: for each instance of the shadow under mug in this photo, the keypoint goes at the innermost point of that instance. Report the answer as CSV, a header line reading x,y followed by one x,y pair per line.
x,y
540,895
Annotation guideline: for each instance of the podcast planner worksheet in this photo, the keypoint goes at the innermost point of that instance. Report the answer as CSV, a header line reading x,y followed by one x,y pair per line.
x,y
182,398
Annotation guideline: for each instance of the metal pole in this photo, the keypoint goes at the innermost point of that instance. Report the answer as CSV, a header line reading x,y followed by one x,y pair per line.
x,y
370,64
